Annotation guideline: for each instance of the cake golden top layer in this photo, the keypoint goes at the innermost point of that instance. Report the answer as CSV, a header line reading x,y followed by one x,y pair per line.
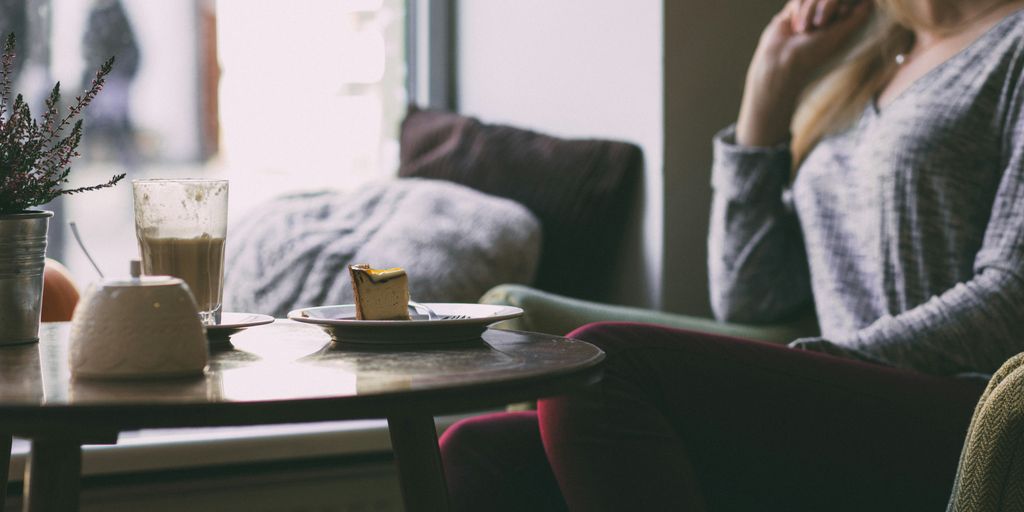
x,y
386,273
378,275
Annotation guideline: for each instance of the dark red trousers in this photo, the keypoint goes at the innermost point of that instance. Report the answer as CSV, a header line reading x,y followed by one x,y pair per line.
x,y
690,421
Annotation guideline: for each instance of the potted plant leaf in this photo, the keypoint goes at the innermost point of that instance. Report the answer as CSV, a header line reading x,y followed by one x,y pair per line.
x,y
35,158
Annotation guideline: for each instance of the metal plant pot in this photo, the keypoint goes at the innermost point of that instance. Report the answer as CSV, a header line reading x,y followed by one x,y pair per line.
x,y
22,257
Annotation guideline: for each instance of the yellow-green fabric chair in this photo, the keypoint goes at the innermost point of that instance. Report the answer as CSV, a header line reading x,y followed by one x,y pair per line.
x,y
991,473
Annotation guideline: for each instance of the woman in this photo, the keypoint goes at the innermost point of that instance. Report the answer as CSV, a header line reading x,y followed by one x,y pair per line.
x,y
902,228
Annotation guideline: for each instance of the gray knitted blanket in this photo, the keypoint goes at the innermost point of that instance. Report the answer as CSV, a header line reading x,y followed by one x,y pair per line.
x,y
455,243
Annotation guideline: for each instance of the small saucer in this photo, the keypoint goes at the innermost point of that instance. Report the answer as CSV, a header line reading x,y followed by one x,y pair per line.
x,y
231,323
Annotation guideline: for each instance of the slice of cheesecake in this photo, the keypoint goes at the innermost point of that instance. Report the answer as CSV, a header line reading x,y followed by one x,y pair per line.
x,y
380,294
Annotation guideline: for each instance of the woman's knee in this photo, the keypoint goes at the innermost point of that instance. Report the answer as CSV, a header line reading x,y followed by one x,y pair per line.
x,y
490,441
634,365
496,462
642,362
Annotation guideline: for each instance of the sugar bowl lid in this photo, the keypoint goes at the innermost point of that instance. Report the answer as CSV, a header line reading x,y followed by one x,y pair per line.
x,y
137,279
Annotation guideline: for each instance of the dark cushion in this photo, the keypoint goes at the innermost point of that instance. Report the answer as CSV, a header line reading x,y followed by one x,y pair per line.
x,y
581,190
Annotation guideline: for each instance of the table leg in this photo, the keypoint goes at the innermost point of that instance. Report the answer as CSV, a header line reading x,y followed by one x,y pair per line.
x,y
414,441
53,475
6,442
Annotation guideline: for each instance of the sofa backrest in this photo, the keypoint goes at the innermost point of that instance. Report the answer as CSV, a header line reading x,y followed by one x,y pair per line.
x,y
581,190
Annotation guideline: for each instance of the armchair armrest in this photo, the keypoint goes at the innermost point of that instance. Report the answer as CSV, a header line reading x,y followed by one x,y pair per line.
x,y
554,314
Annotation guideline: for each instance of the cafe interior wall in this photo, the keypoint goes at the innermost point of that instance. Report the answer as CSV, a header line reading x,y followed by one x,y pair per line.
x,y
663,74
707,48
578,69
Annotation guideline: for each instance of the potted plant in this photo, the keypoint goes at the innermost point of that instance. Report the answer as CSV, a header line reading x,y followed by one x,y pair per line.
x,y
35,157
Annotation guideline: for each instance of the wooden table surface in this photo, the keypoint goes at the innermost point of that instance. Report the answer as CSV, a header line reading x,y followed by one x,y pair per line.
x,y
281,373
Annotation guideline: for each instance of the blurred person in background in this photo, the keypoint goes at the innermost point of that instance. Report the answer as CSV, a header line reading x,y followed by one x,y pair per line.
x,y
109,32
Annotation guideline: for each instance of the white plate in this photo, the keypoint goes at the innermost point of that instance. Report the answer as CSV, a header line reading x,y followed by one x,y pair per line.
x,y
231,323
457,322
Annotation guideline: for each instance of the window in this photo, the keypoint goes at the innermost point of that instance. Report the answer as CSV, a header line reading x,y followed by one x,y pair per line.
x,y
275,96
312,90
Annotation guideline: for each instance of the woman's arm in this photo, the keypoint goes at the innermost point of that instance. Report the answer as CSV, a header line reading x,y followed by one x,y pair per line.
x,y
973,327
756,258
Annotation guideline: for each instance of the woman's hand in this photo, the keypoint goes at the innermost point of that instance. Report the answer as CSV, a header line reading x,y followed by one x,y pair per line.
x,y
797,42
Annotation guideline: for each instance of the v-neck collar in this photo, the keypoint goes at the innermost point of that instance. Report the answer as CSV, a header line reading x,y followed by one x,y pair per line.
x,y
970,48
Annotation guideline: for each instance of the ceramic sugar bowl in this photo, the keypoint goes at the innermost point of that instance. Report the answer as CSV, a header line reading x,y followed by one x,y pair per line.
x,y
142,327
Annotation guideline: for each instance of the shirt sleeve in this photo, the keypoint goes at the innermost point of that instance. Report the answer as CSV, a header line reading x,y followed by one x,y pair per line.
x,y
757,264
976,325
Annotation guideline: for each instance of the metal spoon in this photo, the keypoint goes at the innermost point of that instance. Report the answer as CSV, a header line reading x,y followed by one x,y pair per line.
x,y
81,245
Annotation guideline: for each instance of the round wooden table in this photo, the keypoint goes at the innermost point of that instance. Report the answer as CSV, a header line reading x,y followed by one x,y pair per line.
x,y
280,373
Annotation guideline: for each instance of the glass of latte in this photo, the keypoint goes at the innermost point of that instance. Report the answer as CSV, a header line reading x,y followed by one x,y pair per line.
x,y
181,226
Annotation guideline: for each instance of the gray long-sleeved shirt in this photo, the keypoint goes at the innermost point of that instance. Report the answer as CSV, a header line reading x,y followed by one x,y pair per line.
x,y
905,232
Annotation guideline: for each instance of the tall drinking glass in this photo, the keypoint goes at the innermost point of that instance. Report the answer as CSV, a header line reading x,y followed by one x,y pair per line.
x,y
181,226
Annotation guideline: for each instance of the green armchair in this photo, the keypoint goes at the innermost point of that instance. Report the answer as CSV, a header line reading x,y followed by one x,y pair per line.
x,y
554,314
990,477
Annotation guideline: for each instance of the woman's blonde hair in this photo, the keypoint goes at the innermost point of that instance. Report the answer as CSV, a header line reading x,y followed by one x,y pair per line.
x,y
840,96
